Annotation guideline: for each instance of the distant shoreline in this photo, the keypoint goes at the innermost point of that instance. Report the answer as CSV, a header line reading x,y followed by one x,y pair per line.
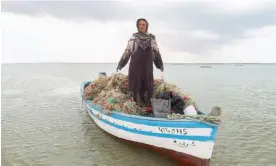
x,y
164,63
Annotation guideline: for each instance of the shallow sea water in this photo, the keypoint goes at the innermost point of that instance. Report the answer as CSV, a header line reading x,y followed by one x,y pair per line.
x,y
43,122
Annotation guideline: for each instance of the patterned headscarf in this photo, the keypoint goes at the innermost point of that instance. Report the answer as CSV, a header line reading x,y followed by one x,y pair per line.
x,y
143,35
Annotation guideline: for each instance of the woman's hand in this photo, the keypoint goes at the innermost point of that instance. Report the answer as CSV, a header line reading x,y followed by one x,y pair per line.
x,y
118,68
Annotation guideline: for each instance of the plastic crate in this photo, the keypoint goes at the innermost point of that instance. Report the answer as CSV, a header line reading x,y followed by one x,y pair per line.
x,y
161,107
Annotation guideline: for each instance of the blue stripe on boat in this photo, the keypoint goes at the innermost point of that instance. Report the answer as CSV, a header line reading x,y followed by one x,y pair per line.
x,y
153,122
147,133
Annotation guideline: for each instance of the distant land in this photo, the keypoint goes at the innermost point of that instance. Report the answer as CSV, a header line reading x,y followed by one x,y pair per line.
x,y
116,63
164,63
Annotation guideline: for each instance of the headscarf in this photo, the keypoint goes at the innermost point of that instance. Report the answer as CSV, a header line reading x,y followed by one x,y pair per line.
x,y
143,35
142,19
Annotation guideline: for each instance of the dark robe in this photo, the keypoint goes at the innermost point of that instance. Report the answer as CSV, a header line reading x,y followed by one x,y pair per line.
x,y
143,51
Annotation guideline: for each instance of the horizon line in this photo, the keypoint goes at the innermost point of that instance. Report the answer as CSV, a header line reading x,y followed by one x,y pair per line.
x,y
117,63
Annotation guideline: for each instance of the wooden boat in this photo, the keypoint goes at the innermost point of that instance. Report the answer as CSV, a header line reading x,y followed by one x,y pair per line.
x,y
188,141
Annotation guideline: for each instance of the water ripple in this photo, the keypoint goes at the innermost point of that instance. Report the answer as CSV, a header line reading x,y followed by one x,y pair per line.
x,y
43,122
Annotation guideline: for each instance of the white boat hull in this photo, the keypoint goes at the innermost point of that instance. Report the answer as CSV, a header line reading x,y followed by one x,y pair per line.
x,y
180,138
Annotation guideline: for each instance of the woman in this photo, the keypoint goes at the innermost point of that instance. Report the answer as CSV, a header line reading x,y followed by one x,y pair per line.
x,y
143,50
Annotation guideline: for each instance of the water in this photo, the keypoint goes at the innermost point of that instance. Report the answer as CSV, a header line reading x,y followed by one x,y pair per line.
x,y
43,122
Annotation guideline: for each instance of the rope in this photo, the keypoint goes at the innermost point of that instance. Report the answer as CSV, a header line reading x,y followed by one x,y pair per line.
x,y
201,118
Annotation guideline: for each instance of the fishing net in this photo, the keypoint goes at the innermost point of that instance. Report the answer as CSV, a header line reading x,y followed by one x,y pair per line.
x,y
111,93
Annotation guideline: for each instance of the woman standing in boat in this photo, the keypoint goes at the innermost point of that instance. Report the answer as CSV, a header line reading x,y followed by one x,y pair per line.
x,y
143,50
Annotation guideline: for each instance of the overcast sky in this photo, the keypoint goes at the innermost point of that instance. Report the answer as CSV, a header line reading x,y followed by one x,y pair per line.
x,y
187,31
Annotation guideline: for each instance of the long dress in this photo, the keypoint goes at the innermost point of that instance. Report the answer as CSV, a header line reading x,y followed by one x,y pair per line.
x,y
143,52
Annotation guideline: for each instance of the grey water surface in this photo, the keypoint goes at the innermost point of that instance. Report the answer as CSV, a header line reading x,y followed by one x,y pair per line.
x,y
43,122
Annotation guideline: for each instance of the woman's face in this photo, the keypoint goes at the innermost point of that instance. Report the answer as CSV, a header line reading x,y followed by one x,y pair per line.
x,y
142,26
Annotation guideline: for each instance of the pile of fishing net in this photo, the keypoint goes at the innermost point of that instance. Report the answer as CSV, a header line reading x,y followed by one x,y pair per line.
x,y
111,93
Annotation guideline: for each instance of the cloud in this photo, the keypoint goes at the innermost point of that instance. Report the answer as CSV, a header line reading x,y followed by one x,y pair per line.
x,y
72,31
70,10
47,39
209,24
259,47
238,7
